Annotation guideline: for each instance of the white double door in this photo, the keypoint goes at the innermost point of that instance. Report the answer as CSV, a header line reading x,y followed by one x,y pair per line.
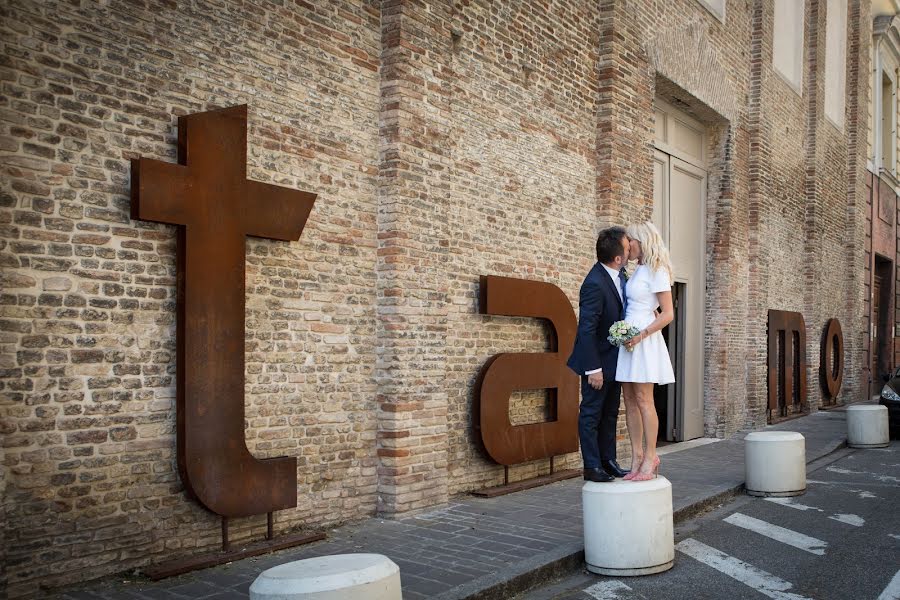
x,y
679,212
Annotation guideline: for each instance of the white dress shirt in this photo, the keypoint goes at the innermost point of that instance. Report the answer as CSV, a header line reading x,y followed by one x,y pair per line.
x,y
615,277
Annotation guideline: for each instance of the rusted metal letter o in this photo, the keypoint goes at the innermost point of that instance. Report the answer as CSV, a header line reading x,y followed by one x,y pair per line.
x,y
832,370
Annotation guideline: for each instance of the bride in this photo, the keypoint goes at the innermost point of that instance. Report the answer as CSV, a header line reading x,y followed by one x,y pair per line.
x,y
644,360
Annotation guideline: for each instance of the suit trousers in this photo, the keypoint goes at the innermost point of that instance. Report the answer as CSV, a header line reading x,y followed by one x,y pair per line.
x,y
597,417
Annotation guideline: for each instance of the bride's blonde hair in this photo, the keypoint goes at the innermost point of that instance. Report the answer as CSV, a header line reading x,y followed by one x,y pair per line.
x,y
656,255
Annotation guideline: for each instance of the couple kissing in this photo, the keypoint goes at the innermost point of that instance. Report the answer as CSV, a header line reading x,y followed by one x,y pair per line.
x,y
619,349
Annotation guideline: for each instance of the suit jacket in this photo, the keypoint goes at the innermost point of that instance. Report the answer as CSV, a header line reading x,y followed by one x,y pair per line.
x,y
599,306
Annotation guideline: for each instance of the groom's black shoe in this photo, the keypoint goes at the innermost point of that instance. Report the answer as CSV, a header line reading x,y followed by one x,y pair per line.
x,y
613,468
598,475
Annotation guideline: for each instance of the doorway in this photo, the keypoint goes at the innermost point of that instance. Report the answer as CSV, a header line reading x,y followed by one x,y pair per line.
x,y
666,397
679,212
881,338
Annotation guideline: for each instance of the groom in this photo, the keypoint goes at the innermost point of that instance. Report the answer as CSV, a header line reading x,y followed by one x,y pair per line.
x,y
601,303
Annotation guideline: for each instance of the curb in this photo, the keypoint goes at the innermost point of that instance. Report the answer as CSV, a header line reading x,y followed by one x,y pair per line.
x,y
554,564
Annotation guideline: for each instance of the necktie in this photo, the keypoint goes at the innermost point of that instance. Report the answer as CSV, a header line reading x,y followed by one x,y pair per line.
x,y
623,281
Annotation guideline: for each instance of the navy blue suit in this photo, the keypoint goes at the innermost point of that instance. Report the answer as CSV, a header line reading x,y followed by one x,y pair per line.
x,y
599,307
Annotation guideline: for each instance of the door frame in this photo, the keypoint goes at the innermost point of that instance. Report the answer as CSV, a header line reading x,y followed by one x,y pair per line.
x,y
667,152
691,291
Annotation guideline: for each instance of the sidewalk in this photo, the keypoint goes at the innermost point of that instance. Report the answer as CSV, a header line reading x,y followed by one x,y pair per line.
x,y
488,548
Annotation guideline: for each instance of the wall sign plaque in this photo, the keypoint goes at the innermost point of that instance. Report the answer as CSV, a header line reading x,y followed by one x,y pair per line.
x,y
208,196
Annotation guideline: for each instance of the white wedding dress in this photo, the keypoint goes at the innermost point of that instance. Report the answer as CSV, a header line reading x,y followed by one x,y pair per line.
x,y
649,361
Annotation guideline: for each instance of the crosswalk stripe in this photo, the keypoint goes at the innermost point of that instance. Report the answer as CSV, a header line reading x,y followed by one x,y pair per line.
x,y
780,534
763,582
606,590
847,519
892,591
789,502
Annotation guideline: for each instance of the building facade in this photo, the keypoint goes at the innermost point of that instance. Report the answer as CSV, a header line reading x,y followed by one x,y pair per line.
x,y
445,141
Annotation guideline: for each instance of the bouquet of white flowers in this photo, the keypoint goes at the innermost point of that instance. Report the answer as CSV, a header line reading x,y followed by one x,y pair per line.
x,y
620,332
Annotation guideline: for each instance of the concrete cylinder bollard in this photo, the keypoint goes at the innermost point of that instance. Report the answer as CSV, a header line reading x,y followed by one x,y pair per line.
x,y
336,577
775,463
867,426
628,527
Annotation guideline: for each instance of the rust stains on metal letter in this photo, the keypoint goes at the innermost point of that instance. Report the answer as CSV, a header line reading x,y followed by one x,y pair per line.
x,y
505,373
215,206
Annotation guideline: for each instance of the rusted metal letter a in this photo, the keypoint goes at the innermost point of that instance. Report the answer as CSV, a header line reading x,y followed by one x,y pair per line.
x,y
215,206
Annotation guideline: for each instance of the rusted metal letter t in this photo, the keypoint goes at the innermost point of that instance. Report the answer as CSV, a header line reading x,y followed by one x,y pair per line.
x,y
207,194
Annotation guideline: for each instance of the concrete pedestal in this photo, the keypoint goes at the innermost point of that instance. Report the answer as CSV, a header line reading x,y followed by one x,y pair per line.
x,y
337,577
628,527
775,463
867,426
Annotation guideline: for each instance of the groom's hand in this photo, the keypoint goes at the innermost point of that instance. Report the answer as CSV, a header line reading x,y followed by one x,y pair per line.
x,y
595,380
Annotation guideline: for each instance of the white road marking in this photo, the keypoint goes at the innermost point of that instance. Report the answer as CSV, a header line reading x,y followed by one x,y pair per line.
x,y
844,471
892,591
841,485
894,535
790,502
848,519
607,590
779,534
763,582
854,520
882,478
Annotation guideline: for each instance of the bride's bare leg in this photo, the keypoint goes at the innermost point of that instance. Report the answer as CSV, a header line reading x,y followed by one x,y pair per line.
x,y
635,429
650,421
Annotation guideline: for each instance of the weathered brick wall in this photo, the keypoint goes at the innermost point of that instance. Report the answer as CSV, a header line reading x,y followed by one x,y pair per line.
x,y
522,201
859,76
88,294
413,236
784,200
828,257
701,65
446,140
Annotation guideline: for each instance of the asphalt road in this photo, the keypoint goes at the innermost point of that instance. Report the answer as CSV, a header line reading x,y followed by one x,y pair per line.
x,y
838,541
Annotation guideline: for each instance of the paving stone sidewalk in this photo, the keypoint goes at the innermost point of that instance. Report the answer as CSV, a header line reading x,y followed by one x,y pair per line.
x,y
486,548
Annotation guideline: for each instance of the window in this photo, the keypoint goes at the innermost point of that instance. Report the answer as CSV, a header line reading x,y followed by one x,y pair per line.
x,y
836,61
888,123
787,46
883,107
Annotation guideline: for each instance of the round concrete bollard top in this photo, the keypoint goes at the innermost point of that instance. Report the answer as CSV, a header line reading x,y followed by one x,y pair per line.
x,y
620,486
323,574
867,407
773,436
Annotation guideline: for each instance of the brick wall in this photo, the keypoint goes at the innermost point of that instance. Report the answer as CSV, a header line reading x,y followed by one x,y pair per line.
x,y
522,201
88,295
446,141
859,76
